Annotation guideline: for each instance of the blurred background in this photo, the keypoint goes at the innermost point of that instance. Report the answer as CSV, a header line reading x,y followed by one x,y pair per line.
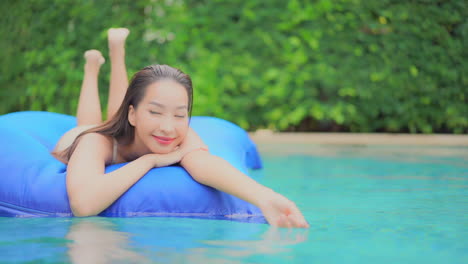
x,y
325,65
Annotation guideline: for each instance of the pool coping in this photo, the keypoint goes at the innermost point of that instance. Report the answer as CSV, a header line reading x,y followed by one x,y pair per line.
x,y
266,137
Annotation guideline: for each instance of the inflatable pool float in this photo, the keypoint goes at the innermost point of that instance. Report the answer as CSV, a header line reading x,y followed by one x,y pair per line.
x,y
33,181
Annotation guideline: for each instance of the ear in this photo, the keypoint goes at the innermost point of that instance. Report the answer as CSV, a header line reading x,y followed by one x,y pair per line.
x,y
131,115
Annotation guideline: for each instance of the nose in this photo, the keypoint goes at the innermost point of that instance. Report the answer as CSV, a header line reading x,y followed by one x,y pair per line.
x,y
167,126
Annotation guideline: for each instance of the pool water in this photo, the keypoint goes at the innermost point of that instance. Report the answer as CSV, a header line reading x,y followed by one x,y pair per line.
x,y
365,204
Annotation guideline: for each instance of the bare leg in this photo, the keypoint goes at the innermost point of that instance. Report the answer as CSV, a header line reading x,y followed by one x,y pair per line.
x,y
118,78
89,107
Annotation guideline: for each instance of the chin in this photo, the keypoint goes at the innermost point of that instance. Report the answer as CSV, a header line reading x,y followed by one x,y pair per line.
x,y
164,150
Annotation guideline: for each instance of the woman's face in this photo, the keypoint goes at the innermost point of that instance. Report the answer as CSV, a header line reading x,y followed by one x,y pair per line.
x,y
161,118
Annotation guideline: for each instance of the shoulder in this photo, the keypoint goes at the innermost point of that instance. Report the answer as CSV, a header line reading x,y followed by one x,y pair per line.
x,y
95,145
97,138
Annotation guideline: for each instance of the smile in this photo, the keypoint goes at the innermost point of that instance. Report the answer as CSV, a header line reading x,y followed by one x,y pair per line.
x,y
164,140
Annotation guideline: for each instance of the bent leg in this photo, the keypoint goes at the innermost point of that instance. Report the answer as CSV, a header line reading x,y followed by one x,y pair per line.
x,y
118,78
89,107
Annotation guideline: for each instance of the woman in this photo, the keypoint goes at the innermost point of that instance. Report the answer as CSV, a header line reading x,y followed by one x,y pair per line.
x,y
148,127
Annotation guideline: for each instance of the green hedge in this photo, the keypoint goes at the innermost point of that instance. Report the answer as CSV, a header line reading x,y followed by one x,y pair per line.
x,y
330,65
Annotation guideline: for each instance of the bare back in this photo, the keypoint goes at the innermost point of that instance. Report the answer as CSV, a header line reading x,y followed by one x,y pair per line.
x,y
104,144
69,137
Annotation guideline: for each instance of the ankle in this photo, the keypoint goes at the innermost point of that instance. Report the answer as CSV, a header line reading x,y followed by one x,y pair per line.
x,y
116,52
92,68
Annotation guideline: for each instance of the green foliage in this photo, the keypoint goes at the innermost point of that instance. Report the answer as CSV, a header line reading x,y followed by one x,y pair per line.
x,y
342,65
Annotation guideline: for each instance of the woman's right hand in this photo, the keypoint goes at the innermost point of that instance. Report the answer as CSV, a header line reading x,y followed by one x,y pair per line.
x,y
163,160
190,143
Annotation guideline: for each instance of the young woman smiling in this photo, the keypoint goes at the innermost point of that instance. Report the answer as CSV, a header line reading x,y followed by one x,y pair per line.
x,y
148,127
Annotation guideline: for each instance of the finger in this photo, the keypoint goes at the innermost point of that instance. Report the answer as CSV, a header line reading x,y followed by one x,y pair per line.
x,y
299,217
299,221
295,221
294,209
281,221
287,222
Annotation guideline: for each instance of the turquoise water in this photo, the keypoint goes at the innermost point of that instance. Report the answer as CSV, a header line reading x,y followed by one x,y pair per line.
x,y
364,204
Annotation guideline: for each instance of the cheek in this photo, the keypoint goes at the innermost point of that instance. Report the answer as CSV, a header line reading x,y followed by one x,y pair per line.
x,y
142,120
182,130
144,127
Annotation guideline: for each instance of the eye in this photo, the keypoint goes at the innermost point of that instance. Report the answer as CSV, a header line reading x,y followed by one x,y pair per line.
x,y
155,113
180,116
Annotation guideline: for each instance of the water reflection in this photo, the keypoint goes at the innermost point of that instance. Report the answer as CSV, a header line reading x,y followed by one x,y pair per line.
x,y
146,240
273,241
96,241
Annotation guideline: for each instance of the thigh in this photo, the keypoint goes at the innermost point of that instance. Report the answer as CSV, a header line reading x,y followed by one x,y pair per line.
x,y
69,137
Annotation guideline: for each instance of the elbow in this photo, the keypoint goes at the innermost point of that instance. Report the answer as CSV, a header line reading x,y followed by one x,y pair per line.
x,y
80,208
200,178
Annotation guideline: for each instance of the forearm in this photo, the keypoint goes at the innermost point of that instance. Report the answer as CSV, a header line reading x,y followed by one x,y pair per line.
x,y
220,174
95,196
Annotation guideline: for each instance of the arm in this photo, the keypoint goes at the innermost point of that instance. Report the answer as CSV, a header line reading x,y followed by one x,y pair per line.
x,y
90,189
220,174
216,172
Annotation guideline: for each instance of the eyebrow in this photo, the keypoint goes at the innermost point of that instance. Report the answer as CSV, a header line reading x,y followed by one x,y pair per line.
x,y
163,106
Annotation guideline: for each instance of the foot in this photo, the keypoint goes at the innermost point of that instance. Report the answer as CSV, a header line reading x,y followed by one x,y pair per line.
x,y
281,212
117,37
94,60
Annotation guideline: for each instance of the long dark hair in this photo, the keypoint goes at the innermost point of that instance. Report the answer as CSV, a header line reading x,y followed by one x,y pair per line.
x,y
118,126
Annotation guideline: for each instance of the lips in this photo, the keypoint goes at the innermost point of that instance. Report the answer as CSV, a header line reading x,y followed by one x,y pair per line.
x,y
164,140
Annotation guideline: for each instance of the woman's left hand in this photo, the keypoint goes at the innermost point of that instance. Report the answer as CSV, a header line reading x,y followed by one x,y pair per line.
x,y
281,212
191,142
277,210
